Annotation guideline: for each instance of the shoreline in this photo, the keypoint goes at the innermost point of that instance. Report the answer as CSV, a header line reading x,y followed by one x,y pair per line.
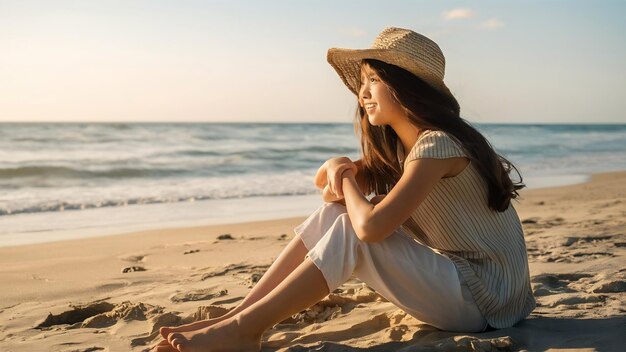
x,y
146,279
45,227
61,226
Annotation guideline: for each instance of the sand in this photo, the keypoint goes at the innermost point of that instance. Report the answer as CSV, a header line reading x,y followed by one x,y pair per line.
x,y
113,293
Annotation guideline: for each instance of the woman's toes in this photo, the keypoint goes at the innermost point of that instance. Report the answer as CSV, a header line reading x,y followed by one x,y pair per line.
x,y
177,342
164,331
175,339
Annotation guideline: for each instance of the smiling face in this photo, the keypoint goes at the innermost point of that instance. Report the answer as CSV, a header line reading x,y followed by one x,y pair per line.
x,y
376,99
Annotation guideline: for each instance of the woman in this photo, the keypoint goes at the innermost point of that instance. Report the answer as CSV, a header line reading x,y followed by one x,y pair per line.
x,y
440,238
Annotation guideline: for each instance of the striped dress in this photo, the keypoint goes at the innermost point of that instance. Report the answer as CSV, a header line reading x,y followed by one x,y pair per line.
x,y
486,246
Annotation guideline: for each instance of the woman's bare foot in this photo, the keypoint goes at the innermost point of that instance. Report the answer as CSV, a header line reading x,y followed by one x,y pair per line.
x,y
223,336
196,325
163,346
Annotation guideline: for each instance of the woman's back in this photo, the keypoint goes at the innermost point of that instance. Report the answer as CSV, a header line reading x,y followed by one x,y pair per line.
x,y
487,246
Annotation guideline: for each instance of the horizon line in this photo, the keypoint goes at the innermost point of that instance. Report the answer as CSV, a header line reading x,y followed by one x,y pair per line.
x,y
292,122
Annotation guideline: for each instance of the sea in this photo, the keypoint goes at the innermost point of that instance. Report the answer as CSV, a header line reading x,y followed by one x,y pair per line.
x,y
60,181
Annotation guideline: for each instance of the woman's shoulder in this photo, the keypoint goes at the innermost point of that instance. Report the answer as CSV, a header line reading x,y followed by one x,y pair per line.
x,y
436,135
436,144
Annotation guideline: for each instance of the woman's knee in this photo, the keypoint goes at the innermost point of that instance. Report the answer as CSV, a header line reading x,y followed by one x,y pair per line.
x,y
343,227
333,210
319,223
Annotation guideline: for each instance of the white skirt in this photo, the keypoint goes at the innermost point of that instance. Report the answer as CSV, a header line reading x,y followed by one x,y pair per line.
x,y
414,277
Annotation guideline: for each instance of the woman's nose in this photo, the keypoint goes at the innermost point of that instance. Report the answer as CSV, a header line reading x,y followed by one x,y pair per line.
x,y
364,91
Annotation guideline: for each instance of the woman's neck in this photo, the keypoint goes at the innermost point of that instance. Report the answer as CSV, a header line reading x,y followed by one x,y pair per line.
x,y
407,133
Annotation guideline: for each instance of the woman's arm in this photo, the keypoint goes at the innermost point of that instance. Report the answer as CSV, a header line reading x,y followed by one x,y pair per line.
x,y
373,223
321,181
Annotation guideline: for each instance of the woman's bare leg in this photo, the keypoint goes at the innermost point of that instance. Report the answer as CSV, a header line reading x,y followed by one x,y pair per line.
x,y
287,261
302,288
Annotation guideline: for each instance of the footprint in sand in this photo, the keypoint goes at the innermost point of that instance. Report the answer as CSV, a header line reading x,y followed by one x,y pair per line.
x,y
249,274
199,295
550,284
101,314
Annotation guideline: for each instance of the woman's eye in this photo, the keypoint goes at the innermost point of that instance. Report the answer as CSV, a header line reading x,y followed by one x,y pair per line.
x,y
370,79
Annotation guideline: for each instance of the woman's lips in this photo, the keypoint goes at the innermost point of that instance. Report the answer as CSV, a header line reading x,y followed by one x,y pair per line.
x,y
370,107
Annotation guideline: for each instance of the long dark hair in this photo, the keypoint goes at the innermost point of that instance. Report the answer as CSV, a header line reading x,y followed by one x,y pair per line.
x,y
429,109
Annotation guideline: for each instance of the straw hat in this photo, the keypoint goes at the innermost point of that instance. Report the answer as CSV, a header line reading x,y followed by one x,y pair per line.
x,y
396,46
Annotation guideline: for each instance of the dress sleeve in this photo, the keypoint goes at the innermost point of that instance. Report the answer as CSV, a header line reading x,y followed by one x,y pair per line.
x,y
437,145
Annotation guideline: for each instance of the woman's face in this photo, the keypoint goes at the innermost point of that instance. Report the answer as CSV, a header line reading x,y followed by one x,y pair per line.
x,y
376,99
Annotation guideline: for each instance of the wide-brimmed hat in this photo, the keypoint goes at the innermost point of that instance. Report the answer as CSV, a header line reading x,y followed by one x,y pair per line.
x,y
396,46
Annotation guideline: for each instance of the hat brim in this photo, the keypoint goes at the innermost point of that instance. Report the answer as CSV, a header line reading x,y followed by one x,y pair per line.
x,y
347,63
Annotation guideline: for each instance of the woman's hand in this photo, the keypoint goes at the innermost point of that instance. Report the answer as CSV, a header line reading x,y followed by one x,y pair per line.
x,y
335,168
321,177
329,197
321,181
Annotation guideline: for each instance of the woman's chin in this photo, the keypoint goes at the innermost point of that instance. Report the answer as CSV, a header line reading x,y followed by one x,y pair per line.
x,y
374,121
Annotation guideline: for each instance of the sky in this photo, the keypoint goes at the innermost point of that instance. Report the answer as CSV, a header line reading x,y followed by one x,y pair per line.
x,y
265,61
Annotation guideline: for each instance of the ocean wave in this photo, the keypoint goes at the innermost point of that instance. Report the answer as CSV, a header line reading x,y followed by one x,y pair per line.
x,y
265,152
68,172
69,206
50,167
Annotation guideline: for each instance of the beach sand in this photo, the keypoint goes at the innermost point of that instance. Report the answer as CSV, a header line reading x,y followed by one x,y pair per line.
x,y
113,293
